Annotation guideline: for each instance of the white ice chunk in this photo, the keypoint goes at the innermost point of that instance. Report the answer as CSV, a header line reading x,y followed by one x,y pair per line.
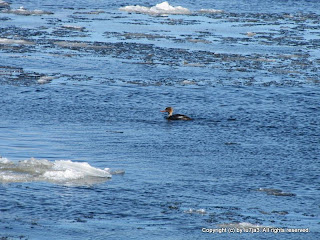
x,y
8,41
45,79
4,4
80,168
60,171
159,9
24,11
210,11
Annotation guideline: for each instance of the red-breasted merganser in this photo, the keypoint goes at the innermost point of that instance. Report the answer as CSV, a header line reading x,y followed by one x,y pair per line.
x,y
169,110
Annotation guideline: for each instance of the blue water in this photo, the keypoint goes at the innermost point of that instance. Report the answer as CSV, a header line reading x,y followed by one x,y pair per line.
x,y
249,158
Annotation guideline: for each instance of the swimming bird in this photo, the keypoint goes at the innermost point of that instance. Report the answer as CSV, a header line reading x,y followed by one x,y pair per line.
x,y
169,110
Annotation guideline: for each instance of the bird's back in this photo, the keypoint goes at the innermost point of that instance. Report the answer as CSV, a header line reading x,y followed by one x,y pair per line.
x,y
179,117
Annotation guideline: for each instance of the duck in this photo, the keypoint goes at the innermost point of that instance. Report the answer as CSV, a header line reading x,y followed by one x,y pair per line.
x,y
169,110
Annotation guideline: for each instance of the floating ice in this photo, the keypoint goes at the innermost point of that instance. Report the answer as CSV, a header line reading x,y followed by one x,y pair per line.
x,y
4,4
72,44
94,12
60,171
196,211
165,8
188,82
159,9
276,192
74,28
24,11
250,34
45,79
185,63
195,40
210,11
4,160
9,41
80,169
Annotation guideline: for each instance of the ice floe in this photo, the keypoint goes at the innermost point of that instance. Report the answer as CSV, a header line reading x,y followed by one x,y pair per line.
x,y
74,28
4,4
163,8
9,41
45,79
276,192
60,171
24,11
250,34
210,11
200,211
